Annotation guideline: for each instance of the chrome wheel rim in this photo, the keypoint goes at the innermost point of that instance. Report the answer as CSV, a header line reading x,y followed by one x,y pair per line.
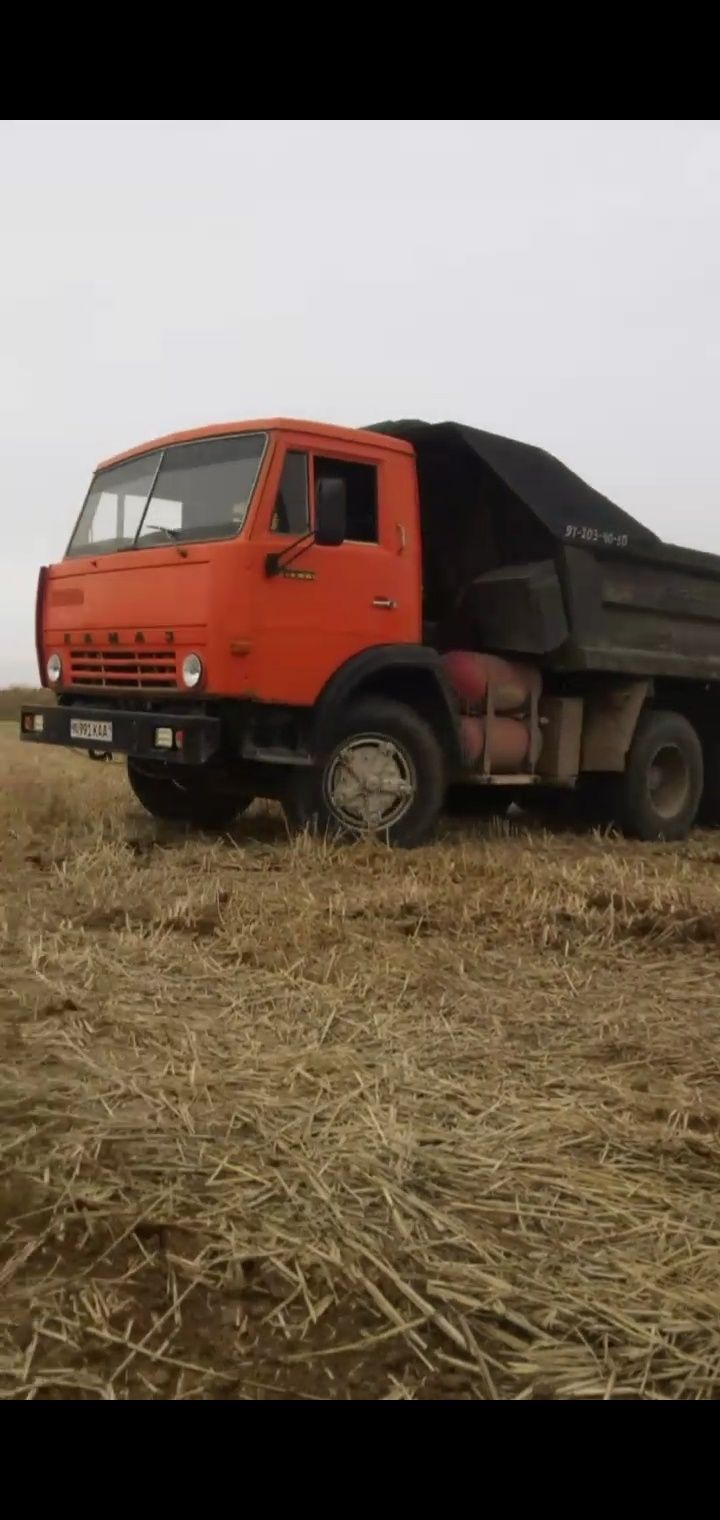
x,y
370,783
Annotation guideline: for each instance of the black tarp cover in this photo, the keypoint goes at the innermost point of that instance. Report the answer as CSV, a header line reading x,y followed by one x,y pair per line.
x,y
570,509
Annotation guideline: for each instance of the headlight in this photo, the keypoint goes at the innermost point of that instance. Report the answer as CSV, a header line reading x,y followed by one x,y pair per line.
x,y
54,669
192,669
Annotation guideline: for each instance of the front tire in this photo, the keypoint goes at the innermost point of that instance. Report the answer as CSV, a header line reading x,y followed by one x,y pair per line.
x,y
185,797
383,776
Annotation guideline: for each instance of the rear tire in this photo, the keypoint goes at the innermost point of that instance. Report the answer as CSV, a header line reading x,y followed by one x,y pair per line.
x,y
383,777
185,798
658,795
709,810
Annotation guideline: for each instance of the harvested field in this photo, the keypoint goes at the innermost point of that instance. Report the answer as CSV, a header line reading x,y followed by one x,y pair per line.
x,y
282,1120
13,697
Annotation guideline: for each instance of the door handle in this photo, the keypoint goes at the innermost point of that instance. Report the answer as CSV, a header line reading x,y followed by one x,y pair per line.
x,y
386,602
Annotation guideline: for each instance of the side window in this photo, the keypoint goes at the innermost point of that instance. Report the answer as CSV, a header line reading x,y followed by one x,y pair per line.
x,y
290,513
361,484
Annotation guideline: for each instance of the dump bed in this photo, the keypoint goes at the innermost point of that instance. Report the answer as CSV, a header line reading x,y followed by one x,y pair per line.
x,y
522,557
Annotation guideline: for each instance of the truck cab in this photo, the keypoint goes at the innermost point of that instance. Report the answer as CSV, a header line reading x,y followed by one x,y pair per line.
x,y
222,592
206,543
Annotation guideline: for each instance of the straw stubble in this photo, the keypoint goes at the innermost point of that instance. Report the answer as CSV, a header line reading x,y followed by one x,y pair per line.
x,y
286,1120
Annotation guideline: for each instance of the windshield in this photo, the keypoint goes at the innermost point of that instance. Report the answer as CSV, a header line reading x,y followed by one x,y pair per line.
x,y
190,491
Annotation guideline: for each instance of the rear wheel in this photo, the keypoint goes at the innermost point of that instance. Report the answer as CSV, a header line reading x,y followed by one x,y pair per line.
x,y
383,776
658,795
185,797
709,811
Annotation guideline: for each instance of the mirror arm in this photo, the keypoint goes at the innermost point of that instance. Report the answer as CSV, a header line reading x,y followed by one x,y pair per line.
x,y
274,563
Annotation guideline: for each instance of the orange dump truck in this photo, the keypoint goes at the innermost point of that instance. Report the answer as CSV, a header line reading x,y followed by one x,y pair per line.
x,y
356,621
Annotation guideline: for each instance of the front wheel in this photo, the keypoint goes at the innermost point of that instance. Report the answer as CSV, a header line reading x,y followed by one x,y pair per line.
x,y
383,776
185,797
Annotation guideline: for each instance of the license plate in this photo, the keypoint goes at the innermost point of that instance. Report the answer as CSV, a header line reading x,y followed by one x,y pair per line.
x,y
84,728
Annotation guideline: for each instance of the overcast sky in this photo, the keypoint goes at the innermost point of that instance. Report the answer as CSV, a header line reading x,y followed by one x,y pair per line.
x,y
555,281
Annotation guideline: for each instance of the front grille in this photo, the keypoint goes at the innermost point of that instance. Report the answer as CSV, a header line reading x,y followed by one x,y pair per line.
x,y
131,668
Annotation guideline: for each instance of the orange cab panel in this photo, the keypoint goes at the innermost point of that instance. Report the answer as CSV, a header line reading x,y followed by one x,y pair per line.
x,y
275,638
326,604
79,596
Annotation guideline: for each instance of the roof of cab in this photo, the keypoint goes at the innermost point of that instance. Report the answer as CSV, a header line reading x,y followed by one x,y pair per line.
x,y
266,425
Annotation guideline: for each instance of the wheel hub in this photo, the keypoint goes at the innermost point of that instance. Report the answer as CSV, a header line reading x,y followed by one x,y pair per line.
x,y
668,781
370,783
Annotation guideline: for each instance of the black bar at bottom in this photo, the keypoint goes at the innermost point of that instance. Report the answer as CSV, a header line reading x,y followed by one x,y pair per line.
x,y
132,733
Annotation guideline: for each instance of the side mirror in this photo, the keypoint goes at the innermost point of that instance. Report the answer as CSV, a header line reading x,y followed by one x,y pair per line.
x,y
330,512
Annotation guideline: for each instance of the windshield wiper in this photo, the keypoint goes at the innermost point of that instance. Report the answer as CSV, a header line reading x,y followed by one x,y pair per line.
x,y
160,528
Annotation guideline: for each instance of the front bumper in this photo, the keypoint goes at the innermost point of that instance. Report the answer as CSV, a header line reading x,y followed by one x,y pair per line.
x,y
133,733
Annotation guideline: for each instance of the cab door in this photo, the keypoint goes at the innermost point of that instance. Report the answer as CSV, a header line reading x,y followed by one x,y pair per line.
x,y
327,604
